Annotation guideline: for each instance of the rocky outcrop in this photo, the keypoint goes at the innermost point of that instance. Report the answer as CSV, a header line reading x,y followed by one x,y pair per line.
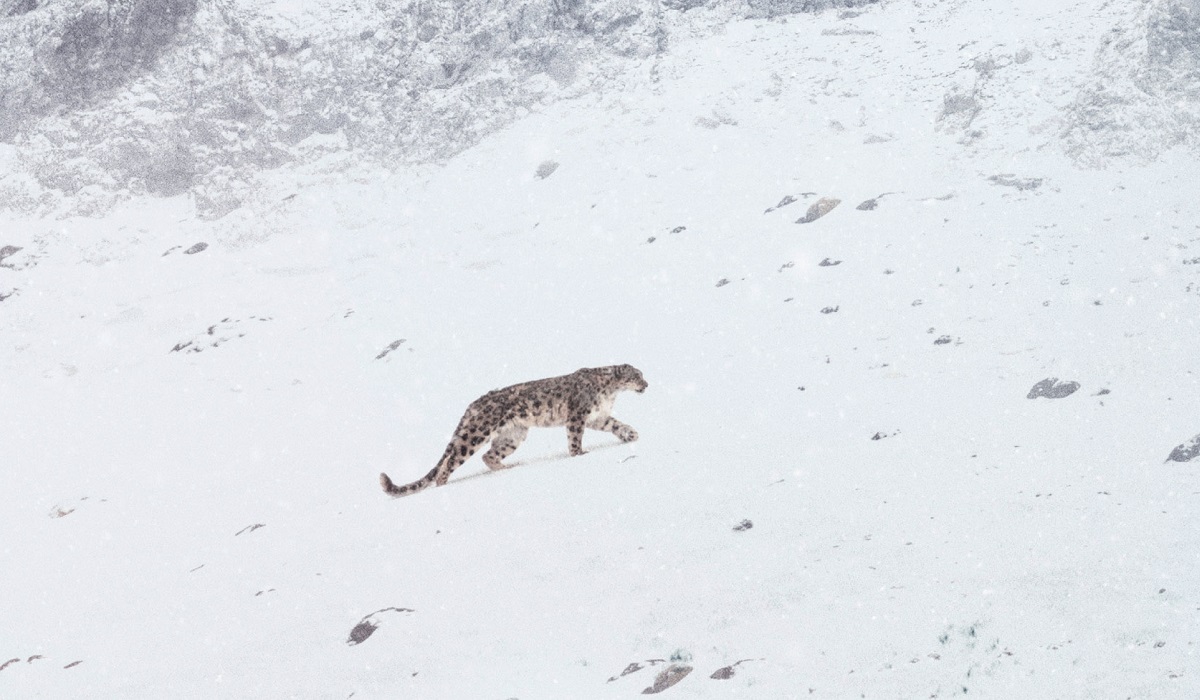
x,y
195,96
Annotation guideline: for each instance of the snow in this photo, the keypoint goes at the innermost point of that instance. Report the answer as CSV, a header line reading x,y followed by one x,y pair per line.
x,y
210,524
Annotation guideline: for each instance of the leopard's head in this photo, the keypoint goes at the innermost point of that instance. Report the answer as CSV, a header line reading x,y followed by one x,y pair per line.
x,y
630,377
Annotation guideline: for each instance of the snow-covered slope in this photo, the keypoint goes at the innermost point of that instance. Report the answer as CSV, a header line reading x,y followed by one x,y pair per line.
x,y
841,481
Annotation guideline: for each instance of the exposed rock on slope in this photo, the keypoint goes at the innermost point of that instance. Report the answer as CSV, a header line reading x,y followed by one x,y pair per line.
x,y
106,99
1144,97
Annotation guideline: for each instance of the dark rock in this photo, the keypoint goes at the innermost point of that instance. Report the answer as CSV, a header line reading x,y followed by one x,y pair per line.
x,y
1051,388
668,677
788,199
1021,183
391,346
367,626
873,202
1186,452
819,208
361,632
634,667
726,672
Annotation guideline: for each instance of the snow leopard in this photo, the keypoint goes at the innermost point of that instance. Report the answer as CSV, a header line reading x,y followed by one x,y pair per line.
x,y
581,399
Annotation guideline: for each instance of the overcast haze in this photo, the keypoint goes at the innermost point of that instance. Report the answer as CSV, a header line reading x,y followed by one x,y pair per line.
x,y
915,286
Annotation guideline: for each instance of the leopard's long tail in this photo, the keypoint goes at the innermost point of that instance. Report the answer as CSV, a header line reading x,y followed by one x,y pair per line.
x,y
466,442
419,485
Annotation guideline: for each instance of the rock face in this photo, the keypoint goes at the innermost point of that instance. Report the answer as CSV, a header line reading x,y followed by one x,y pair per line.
x,y
174,96
1143,97
84,50
775,8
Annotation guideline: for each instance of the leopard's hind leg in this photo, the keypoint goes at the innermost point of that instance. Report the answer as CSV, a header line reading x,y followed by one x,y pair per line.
x,y
507,440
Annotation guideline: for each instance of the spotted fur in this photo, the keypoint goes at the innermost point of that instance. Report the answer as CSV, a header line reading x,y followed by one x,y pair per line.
x,y
582,399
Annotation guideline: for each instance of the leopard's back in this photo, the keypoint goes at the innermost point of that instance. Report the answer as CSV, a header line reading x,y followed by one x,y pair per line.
x,y
540,403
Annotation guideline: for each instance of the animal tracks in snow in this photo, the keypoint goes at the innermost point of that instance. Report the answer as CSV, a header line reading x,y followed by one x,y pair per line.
x,y
27,661
62,510
217,335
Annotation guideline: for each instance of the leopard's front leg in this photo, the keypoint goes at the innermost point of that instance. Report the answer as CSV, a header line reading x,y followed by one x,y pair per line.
x,y
575,434
624,431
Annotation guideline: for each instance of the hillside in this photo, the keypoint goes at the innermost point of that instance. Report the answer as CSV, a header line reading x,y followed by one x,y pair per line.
x,y
917,446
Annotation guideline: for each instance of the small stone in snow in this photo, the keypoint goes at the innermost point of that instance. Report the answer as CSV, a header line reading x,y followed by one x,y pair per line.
x,y
361,632
1051,388
820,208
667,678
